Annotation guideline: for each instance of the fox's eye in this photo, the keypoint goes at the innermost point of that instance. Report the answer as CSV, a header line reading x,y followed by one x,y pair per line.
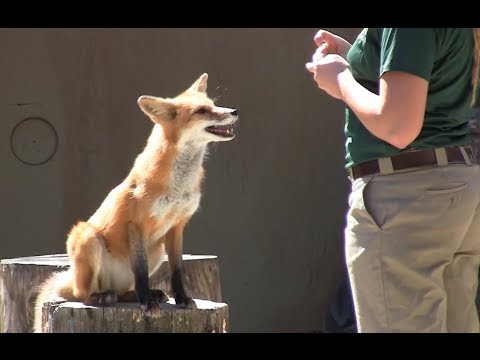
x,y
201,111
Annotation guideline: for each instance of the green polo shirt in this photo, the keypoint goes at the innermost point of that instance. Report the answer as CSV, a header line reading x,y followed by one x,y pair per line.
x,y
441,56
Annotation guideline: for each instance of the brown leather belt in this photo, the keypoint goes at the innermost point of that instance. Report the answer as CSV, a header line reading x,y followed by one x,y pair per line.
x,y
414,159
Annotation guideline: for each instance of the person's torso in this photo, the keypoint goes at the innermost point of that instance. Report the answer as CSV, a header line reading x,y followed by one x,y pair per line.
x,y
443,56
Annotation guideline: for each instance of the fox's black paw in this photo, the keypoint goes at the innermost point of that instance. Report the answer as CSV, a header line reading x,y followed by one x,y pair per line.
x,y
158,296
150,309
186,303
105,298
152,306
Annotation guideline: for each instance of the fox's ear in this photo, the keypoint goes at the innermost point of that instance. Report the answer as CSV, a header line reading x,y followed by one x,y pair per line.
x,y
156,107
201,84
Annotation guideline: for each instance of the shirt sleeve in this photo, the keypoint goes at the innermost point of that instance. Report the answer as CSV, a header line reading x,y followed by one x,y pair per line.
x,y
408,50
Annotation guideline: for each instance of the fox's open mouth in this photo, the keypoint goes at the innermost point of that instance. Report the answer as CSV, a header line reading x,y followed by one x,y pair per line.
x,y
221,130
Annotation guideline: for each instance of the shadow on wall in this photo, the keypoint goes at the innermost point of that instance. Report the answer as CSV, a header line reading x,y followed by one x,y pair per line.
x,y
341,313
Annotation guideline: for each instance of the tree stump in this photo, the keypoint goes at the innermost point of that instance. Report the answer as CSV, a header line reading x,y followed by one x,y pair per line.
x,y
20,278
74,317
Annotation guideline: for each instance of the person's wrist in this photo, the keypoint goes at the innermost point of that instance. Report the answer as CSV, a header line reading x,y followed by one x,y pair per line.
x,y
343,78
345,50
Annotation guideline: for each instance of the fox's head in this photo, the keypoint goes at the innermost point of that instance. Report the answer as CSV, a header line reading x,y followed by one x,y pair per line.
x,y
191,116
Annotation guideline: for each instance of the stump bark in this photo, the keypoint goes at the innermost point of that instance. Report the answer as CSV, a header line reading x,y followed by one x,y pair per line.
x,y
73,317
20,278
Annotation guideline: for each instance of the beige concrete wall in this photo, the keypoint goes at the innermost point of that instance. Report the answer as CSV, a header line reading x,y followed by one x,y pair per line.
x,y
274,201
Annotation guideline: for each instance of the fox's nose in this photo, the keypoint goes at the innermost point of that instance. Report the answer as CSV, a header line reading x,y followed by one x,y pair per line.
x,y
234,112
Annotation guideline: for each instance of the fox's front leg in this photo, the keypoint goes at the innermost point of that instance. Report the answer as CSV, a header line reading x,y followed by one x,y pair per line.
x,y
139,262
174,247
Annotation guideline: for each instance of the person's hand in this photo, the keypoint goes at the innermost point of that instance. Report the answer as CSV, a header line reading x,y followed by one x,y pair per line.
x,y
327,69
331,43
321,52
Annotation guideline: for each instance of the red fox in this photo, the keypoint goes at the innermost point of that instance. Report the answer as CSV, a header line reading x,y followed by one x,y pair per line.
x,y
113,254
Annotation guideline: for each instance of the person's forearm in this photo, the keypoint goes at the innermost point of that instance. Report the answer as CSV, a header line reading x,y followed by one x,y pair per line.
x,y
382,121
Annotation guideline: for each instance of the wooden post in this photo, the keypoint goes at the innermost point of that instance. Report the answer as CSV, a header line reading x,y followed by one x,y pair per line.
x,y
21,277
73,317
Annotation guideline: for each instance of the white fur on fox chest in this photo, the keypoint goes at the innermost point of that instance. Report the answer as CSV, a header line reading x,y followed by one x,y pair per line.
x,y
184,196
182,206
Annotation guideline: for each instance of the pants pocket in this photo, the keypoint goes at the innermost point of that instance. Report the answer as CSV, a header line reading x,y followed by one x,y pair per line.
x,y
375,212
447,189
360,201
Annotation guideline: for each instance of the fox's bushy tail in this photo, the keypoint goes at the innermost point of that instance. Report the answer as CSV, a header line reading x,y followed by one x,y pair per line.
x,y
58,287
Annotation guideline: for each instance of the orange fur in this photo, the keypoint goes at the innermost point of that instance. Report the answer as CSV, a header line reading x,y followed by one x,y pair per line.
x,y
57,287
159,195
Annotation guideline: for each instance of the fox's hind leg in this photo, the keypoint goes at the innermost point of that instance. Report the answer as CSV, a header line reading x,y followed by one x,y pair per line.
x,y
84,248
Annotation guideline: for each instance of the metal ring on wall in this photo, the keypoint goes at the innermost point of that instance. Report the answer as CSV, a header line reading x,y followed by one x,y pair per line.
x,y
34,141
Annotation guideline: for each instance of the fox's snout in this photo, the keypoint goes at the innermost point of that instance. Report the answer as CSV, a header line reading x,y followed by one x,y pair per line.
x,y
225,113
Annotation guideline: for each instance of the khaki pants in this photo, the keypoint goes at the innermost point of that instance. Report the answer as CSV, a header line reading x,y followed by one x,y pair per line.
x,y
413,250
